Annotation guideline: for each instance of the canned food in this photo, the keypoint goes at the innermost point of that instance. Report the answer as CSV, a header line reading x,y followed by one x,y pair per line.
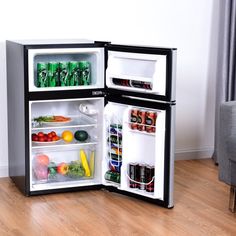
x,y
141,84
42,79
73,73
134,115
151,121
149,173
115,165
84,73
115,139
121,82
115,150
134,118
112,176
142,176
133,174
64,74
114,157
141,120
53,74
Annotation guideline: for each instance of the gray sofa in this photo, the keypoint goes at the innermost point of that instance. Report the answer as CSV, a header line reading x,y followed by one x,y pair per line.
x,y
226,147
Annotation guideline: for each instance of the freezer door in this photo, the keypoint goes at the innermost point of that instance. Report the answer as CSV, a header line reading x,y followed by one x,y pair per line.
x,y
138,155
141,71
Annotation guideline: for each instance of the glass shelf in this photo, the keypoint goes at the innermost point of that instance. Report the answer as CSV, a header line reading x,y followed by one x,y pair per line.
x,y
61,144
77,121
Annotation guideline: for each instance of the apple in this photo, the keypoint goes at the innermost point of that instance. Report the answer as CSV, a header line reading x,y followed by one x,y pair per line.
x,y
62,168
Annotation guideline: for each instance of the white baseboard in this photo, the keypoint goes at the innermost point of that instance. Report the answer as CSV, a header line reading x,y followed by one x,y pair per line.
x,y
4,171
193,154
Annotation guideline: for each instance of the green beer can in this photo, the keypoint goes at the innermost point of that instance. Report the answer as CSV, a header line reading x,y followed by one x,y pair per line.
x,y
84,73
73,72
53,74
64,74
42,80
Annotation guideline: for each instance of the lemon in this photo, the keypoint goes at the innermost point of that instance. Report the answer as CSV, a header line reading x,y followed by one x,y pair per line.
x,y
67,136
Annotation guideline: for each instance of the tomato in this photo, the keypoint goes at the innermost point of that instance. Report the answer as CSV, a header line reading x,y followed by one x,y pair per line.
x,y
54,138
53,133
50,135
40,134
49,139
35,138
41,139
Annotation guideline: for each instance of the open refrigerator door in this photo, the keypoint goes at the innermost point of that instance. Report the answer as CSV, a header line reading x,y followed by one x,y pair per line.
x,y
134,149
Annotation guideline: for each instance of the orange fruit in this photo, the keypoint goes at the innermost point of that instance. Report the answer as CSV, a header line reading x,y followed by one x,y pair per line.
x,y
67,136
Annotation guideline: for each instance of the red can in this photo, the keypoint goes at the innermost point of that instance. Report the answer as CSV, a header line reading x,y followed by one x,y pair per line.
x,y
134,119
150,121
141,120
149,174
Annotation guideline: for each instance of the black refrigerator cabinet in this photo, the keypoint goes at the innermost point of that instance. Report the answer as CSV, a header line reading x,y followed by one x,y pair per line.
x,y
91,115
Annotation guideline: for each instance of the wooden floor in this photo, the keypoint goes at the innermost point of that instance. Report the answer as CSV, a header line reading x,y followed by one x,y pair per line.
x,y
201,208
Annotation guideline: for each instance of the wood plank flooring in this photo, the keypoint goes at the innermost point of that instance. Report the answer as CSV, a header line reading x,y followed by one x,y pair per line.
x,y
201,208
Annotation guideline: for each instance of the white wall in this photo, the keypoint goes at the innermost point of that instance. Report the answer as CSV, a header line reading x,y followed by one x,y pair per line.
x,y
189,25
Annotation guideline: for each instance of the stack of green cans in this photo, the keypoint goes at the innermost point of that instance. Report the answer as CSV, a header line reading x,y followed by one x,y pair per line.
x,y
65,73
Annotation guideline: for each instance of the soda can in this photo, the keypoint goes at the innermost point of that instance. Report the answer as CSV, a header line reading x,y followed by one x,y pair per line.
x,y
84,73
134,118
114,156
73,73
112,176
115,165
133,174
115,139
150,121
142,176
53,74
42,70
116,150
64,73
149,172
141,84
141,120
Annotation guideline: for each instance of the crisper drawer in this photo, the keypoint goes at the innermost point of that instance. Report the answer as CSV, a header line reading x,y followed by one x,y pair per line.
x,y
65,143
65,69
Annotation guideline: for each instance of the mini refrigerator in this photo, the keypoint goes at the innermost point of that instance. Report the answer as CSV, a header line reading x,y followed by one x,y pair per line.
x,y
91,115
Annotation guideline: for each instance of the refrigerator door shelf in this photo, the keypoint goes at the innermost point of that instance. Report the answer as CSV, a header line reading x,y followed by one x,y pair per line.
x,y
95,57
136,72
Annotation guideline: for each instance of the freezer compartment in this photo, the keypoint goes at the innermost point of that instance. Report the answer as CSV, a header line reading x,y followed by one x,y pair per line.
x,y
65,69
137,72
140,147
74,158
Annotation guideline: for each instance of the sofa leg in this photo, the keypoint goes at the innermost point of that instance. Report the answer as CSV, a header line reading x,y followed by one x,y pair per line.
x,y
232,199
